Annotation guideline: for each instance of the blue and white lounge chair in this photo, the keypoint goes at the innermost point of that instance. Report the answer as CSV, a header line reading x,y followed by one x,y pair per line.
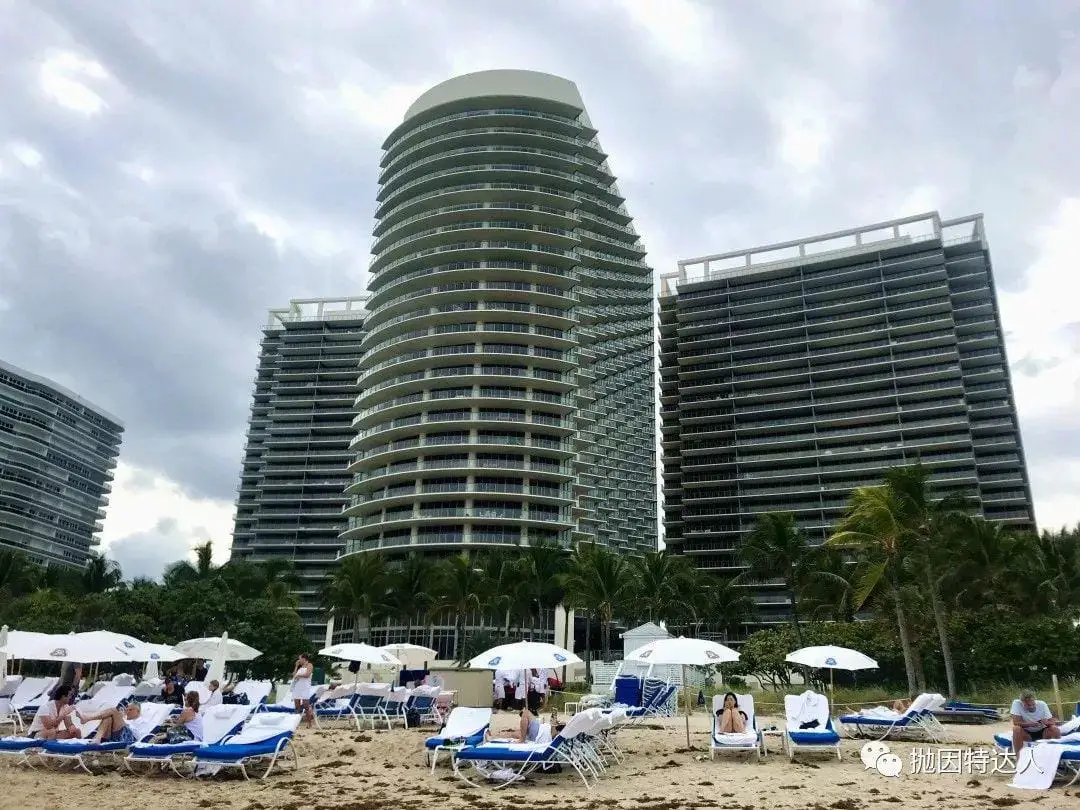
x,y
749,741
804,709
218,723
502,764
422,701
337,704
24,700
265,738
1071,727
917,722
85,753
257,692
465,726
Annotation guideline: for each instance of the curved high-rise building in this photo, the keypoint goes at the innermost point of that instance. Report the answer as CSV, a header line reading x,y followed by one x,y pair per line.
x,y
507,383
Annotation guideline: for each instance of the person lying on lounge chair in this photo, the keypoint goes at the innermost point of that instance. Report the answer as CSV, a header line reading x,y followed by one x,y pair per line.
x,y
901,705
729,719
53,718
114,726
1032,720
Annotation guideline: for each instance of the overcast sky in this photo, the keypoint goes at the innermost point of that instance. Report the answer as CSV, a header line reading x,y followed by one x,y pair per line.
x,y
170,171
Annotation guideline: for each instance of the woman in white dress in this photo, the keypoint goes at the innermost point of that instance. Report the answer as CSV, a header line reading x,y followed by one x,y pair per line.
x,y
301,688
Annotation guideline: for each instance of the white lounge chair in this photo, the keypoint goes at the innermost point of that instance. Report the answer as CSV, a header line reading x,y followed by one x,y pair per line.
x,y
257,692
809,725
24,699
85,753
881,723
265,738
500,764
464,726
218,723
750,740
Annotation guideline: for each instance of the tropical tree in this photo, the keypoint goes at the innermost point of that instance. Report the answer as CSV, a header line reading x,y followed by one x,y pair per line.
x,y
776,549
540,571
101,574
828,586
722,602
185,571
599,583
359,589
16,574
873,528
459,585
275,580
662,583
411,590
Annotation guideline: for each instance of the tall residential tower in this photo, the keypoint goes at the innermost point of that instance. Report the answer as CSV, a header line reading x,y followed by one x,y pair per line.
x,y
57,456
292,489
793,373
507,384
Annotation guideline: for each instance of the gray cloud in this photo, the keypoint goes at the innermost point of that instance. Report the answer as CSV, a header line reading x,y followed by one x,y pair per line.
x,y
234,161
148,554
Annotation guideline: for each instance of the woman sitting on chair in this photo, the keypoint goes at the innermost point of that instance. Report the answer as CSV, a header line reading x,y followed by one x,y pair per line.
x,y
729,720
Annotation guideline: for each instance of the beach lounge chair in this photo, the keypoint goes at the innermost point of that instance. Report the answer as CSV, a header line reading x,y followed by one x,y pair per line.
x,y
257,692
146,691
338,703
265,738
464,726
956,711
422,703
24,700
218,723
881,723
85,753
501,764
750,740
285,704
394,706
9,685
370,702
803,710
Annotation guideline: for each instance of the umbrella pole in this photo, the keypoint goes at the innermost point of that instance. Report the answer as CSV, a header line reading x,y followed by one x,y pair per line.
x,y
830,682
686,697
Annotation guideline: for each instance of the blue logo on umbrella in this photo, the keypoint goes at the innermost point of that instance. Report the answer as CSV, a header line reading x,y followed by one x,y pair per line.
x,y
154,656
830,662
129,645
495,661
560,657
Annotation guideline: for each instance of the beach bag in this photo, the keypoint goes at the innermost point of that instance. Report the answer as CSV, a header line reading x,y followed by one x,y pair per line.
x,y
412,718
179,734
236,699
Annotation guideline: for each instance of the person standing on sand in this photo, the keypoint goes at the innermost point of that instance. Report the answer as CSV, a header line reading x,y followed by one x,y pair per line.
x,y
301,688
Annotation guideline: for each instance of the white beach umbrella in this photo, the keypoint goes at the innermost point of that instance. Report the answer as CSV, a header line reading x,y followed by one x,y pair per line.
x,y
157,653
3,656
412,656
81,647
524,655
684,652
363,653
218,649
831,658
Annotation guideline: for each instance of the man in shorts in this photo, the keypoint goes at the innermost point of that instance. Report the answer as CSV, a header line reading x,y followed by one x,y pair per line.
x,y
1032,721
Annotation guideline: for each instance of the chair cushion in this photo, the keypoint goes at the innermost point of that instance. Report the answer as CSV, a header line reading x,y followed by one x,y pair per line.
x,y
75,747
163,750
19,743
234,753
507,753
825,737
733,740
435,742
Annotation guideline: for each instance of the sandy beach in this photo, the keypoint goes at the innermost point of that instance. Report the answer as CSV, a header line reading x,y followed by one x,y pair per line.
x,y
342,769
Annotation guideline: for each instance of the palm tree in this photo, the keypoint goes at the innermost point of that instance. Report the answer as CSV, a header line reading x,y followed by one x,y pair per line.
x,y
541,569
599,582
776,549
506,592
411,590
15,573
872,526
184,571
359,589
726,604
930,523
275,580
459,586
661,582
100,574
828,586
1057,576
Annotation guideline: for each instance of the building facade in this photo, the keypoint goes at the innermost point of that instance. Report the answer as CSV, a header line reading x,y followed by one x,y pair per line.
x,y
292,488
793,373
57,456
507,383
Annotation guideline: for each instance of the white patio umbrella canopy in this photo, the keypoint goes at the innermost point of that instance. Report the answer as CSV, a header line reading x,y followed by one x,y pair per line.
x,y
87,648
3,656
363,653
207,648
524,655
412,656
684,652
831,658
155,654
